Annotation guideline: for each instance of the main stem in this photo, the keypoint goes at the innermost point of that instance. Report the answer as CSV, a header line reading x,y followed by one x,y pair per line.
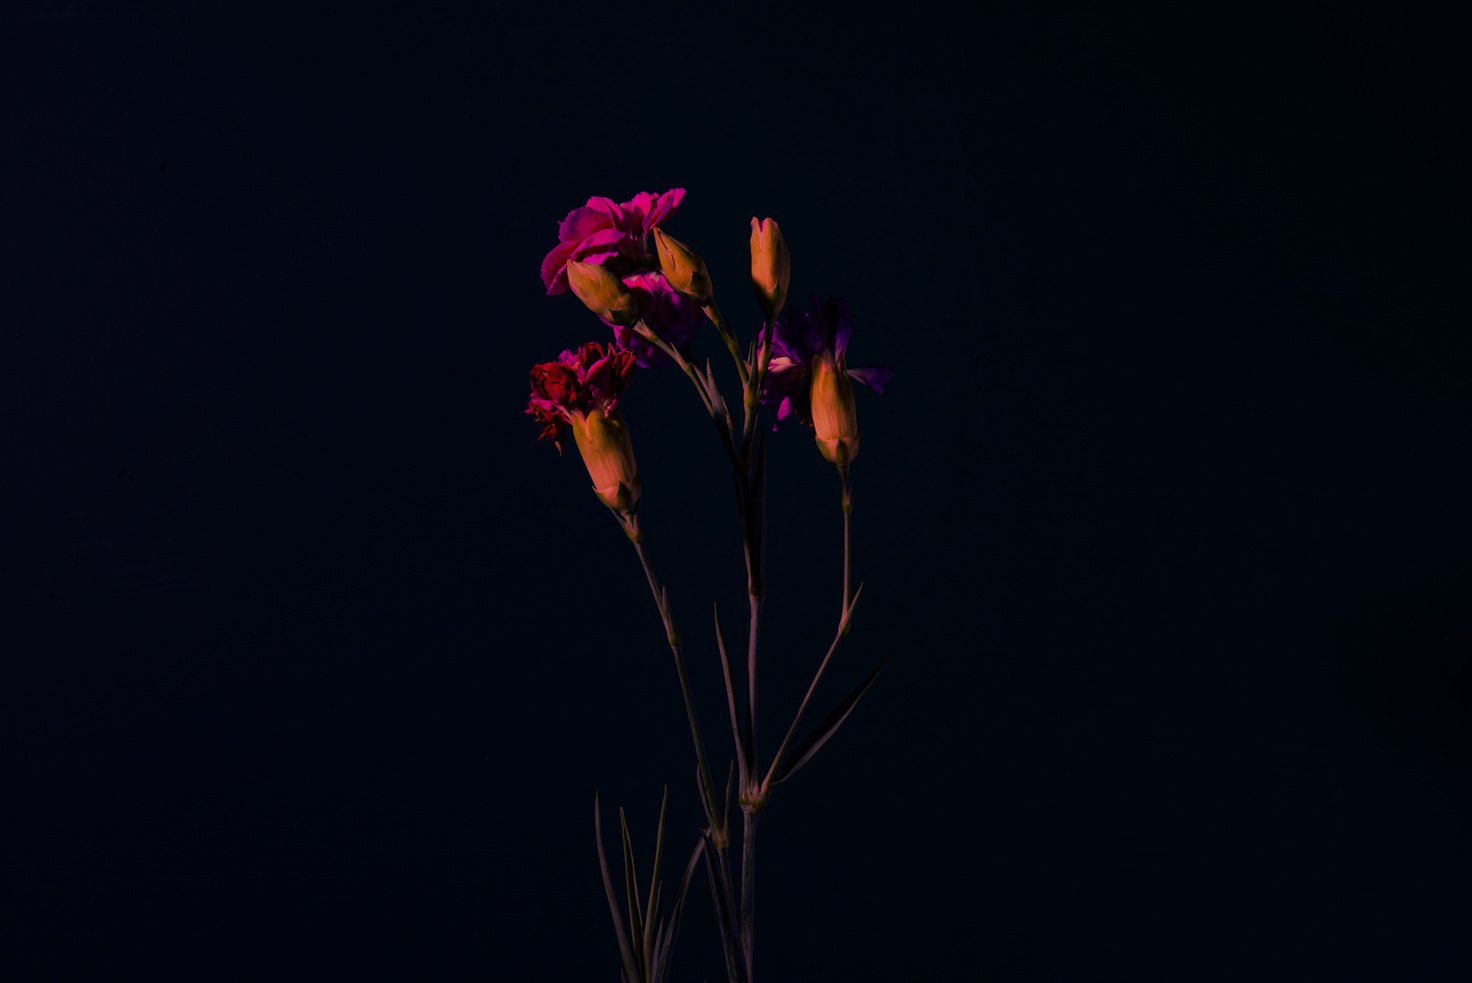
x,y
752,799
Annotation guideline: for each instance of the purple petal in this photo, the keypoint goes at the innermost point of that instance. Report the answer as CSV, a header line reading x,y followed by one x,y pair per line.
x,y
784,377
672,315
839,327
873,376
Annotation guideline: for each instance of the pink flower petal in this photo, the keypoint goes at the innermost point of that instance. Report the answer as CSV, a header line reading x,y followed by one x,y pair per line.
x,y
663,206
554,267
583,222
636,213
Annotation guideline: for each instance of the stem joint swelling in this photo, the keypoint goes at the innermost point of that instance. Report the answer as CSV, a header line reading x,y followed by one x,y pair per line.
x,y
754,799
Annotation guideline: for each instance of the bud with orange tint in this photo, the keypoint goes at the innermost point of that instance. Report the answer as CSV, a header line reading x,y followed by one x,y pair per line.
x,y
835,419
608,454
580,392
809,379
682,267
771,266
603,293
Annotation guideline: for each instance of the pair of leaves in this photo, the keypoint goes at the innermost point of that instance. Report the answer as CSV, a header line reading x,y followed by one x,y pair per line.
x,y
821,734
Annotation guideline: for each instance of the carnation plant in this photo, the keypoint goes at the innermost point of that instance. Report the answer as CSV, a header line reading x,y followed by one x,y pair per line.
x,y
656,299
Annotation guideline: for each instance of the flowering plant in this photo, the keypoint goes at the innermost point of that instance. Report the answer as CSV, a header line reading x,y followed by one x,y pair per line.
x,y
655,300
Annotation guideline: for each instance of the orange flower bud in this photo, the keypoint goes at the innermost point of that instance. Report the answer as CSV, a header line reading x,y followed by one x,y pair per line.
x,y
608,454
600,289
771,266
835,419
683,267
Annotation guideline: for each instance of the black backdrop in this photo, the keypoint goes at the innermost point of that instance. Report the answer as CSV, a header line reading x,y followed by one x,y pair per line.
x,y
314,658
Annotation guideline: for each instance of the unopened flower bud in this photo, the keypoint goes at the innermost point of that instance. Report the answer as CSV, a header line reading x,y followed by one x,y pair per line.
x,y
682,267
835,420
600,289
603,441
771,266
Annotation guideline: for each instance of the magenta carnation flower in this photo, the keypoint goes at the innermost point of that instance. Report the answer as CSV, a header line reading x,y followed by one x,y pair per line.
x,y
616,235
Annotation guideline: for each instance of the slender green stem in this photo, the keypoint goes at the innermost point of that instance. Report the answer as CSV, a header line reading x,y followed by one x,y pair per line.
x,y
710,397
752,800
848,513
754,385
845,616
661,601
723,328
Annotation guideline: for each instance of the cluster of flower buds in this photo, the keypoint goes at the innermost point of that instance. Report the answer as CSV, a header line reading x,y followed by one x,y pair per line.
x,y
603,256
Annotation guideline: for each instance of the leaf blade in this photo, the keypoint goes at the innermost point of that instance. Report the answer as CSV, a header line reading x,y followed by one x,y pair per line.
x,y
821,734
625,952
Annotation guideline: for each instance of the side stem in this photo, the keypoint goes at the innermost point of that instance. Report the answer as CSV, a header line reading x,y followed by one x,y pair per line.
x,y
661,601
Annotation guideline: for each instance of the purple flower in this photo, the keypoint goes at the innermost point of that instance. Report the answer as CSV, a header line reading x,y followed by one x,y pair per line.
x,y
668,313
616,235
808,378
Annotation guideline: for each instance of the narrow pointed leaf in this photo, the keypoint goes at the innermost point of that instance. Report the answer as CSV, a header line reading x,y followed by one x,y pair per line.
x,y
669,930
626,953
726,809
848,614
652,910
631,885
825,730
735,967
737,737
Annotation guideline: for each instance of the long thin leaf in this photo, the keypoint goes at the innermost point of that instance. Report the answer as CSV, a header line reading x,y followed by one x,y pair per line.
x,y
625,952
719,895
665,944
737,737
825,730
652,908
631,887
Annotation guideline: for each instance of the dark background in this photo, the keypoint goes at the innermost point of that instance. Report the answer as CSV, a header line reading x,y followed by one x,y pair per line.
x,y
314,658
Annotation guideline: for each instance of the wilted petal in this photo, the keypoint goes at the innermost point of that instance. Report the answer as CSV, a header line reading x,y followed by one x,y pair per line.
x,y
873,376
837,326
